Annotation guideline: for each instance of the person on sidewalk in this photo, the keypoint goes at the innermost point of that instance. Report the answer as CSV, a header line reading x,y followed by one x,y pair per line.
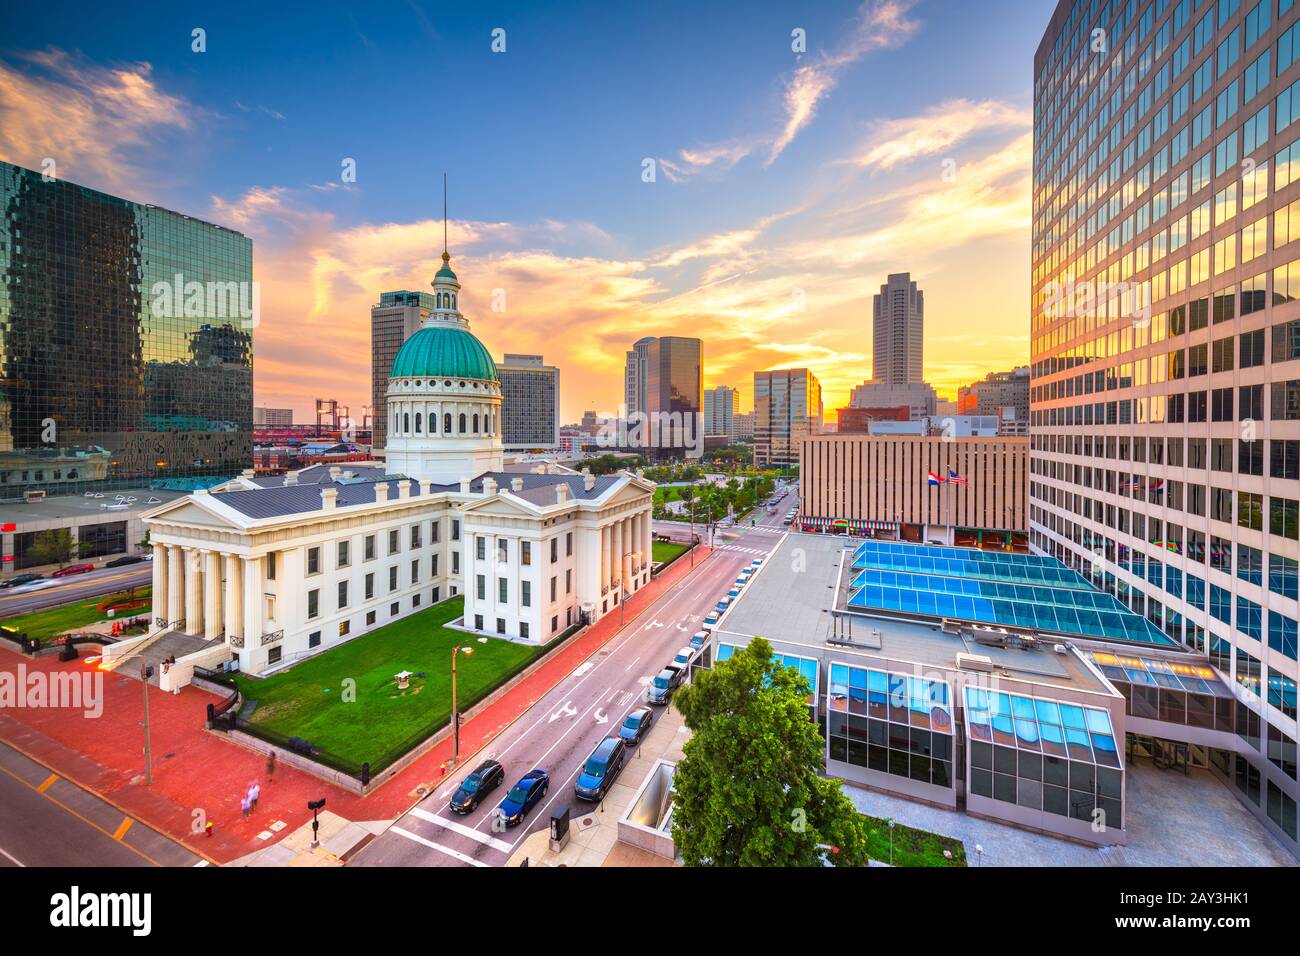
x,y
245,805
254,791
270,766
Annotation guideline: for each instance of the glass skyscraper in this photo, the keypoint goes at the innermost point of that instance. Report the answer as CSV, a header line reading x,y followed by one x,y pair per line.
x,y
125,341
1165,400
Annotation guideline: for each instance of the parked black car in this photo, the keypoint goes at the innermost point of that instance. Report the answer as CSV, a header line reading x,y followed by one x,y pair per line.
x,y
662,686
124,560
486,777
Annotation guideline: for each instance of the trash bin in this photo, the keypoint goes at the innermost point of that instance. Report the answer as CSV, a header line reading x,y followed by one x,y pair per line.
x,y
559,828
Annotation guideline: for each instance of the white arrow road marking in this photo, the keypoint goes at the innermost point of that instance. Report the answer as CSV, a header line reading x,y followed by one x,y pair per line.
x,y
656,624
568,710
643,681
460,828
601,717
436,846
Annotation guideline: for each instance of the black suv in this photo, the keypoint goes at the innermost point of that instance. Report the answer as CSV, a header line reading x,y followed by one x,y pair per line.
x,y
486,777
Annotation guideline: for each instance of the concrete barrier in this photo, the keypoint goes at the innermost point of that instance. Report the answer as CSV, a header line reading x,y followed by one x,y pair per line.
x,y
175,676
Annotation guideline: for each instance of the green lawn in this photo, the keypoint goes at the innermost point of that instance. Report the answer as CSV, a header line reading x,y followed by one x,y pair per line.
x,y
661,551
667,493
307,701
912,847
56,621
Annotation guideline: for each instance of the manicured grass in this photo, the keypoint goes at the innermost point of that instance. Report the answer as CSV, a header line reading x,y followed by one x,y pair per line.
x,y
307,701
56,621
912,847
661,551
667,493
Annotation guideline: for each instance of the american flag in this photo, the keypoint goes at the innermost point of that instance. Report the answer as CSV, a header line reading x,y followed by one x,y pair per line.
x,y
955,478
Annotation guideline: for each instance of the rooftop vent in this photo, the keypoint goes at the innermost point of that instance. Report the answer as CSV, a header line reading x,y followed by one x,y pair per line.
x,y
975,662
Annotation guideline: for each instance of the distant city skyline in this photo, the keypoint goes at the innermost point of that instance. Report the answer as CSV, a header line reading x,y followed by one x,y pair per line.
x,y
787,185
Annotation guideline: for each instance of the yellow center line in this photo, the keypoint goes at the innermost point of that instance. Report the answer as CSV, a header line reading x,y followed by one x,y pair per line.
x,y
49,782
122,828
90,823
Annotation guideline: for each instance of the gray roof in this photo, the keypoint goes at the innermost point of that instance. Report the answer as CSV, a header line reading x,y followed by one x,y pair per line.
x,y
280,500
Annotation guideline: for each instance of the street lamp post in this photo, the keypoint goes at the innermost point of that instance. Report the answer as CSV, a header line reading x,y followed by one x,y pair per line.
x,y
146,672
455,710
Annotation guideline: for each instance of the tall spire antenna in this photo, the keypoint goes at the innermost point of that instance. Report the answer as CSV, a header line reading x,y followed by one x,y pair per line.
x,y
444,213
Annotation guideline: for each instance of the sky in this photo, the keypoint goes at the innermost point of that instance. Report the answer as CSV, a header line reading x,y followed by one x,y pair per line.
x,y
615,170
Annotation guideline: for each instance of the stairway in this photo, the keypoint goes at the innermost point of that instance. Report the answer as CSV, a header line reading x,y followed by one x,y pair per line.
x,y
153,653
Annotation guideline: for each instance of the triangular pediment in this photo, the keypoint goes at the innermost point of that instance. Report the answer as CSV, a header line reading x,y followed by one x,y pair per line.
x,y
502,505
188,511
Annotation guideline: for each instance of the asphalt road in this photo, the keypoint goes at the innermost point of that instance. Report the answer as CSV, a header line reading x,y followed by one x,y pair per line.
x,y
561,730
77,587
49,821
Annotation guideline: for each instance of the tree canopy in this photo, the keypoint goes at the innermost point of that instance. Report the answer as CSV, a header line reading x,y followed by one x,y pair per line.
x,y
748,789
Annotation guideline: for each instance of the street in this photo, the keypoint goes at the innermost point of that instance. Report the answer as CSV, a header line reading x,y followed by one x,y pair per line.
x,y
77,587
561,730
49,821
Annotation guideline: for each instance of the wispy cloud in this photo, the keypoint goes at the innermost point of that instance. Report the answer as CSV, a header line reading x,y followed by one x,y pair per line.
x,y
878,25
936,131
97,123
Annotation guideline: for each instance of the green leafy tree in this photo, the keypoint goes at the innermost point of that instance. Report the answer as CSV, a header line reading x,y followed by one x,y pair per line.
x,y
748,790
53,547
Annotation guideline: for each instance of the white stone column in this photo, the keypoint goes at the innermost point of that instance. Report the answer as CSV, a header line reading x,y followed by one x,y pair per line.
x,y
625,559
212,596
234,605
648,537
617,577
604,558
589,566
159,584
193,592
175,558
252,604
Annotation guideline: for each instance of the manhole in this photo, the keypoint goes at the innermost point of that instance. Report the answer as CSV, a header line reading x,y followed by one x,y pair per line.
x,y
588,821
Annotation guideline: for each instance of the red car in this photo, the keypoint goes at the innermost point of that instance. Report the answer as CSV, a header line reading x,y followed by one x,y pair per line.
x,y
72,569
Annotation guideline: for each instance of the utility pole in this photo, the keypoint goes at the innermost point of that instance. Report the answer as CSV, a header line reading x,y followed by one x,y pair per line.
x,y
146,672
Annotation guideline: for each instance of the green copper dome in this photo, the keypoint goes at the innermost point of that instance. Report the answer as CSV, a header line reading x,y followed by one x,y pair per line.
x,y
444,351
445,272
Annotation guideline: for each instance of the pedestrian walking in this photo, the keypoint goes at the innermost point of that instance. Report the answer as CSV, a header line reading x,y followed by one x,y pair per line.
x,y
254,791
246,805
270,766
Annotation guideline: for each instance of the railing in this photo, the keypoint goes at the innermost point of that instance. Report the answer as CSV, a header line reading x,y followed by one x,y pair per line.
x,y
272,637
236,641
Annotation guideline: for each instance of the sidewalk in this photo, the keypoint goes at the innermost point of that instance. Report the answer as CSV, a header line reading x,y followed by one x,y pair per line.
x,y
201,776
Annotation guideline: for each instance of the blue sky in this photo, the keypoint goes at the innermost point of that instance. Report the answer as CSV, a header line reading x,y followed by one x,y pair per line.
x,y
543,145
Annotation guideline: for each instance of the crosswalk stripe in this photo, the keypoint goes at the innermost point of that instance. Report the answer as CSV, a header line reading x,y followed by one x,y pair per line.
x,y
460,828
415,837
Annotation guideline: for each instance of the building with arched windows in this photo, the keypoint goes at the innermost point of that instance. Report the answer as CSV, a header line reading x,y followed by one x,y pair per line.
x,y
274,569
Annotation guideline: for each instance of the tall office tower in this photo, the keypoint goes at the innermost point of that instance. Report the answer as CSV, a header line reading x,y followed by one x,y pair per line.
x,y
897,339
635,373
787,409
125,339
721,405
1165,425
674,396
530,403
395,318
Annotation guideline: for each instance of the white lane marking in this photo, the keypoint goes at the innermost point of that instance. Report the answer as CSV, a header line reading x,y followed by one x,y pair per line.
x,y
583,668
16,861
460,828
601,717
201,863
454,854
633,663
566,710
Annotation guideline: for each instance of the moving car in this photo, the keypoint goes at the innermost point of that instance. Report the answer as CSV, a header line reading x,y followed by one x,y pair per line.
x,y
20,580
125,560
72,569
636,725
601,769
523,796
486,777
699,639
40,585
662,685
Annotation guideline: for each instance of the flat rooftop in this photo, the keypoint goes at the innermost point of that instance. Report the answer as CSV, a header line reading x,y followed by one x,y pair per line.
x,y
800,599
103,504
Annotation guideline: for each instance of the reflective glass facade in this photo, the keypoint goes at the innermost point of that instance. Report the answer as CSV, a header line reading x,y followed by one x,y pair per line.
x,y
892,723
125,339
787,409
1165,338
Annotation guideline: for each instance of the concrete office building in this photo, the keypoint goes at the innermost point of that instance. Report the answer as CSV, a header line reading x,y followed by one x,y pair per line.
x,y
530,403
394,319
898,331
787,409
878,485
636,375
1165,344
271,417
874,395
1003,394
721,406
744,422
